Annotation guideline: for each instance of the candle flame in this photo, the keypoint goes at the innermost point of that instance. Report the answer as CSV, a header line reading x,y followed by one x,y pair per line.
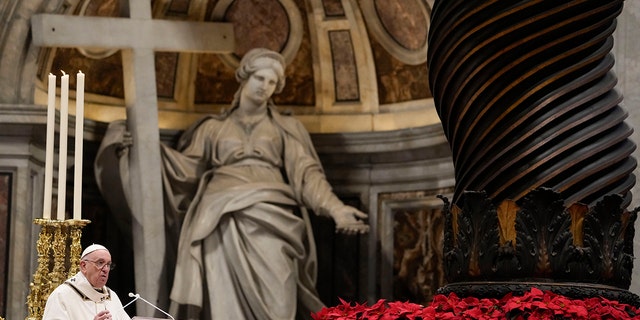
x,y
63,73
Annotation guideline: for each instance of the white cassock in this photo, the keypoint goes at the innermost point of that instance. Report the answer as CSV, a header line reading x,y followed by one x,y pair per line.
x,y
76,299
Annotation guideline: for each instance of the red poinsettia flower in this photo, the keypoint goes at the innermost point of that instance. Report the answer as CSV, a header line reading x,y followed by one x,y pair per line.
x,y
532,305
375,311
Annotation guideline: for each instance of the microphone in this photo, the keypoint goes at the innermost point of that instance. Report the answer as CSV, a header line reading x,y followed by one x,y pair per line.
x,y
137,296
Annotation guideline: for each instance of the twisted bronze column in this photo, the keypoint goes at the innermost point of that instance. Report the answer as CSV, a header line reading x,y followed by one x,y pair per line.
x,y
526,97
542,156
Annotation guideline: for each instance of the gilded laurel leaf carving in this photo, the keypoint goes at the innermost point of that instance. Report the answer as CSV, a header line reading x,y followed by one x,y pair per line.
x,y
577,211
507,217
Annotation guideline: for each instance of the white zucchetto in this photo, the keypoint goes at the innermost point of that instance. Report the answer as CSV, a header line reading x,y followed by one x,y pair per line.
x,y
92,248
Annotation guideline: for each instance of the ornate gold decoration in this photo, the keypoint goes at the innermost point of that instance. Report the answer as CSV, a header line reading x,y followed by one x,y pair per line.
x,y
59,250
75,248
576,250
507,211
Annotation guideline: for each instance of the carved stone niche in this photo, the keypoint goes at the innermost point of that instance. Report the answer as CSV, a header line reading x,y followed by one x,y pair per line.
x,y
538,241
411,229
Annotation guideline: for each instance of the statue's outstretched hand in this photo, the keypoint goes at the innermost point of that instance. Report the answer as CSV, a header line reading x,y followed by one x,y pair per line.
x,y
349,220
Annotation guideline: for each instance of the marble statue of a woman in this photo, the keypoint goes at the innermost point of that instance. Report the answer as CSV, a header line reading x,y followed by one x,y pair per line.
x,y
244,180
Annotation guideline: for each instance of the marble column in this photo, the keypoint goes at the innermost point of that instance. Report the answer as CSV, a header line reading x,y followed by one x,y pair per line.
x,y
627,67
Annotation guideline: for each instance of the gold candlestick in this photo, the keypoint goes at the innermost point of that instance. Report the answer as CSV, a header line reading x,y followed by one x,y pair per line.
x,y
59,246
74,228
40,284
57,275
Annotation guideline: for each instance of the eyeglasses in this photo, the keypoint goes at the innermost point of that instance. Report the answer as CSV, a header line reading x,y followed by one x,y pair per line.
x,y
101,264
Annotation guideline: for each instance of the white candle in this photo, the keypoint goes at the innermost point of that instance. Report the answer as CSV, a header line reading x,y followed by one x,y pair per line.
x,y
77,179
48,160
62,160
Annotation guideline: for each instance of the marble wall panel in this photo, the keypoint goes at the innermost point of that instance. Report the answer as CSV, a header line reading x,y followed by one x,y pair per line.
x,y
344,66
333,8
398,82
5,196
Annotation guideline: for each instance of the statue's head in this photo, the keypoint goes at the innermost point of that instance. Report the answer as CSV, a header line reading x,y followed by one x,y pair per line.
x,y
260,58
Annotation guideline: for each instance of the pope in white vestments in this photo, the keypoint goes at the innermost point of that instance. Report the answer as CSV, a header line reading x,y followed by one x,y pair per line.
x,y
85,295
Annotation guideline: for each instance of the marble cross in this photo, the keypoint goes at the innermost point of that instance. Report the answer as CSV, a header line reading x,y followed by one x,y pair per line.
x,y
139,36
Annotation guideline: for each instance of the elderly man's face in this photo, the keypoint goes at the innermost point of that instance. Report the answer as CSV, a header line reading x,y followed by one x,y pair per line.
x,y
96,266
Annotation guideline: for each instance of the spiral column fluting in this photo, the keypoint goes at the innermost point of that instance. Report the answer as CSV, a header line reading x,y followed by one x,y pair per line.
x,y
542,156
526,96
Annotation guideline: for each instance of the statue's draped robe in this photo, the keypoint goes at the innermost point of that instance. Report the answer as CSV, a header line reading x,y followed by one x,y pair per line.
x,y
246,250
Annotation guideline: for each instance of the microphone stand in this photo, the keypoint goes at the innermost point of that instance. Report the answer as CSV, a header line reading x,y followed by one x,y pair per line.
x,y
137,296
